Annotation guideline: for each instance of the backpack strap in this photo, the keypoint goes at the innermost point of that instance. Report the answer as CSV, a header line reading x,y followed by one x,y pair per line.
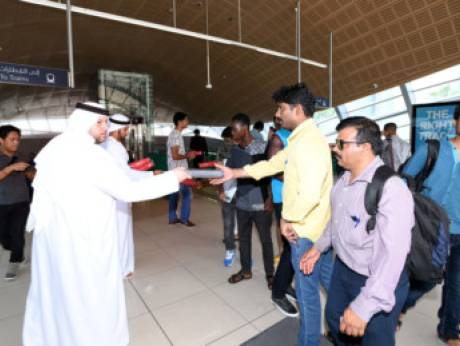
x,y
432,156
374,192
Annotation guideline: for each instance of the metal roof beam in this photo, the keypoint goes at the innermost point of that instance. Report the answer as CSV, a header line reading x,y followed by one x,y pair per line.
x,y
170,29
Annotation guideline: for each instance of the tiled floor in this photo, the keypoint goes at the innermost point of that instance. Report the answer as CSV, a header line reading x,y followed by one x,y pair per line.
x,y
180,295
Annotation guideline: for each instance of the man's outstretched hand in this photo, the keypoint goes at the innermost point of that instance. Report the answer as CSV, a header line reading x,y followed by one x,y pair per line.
x,y
228,175
181,174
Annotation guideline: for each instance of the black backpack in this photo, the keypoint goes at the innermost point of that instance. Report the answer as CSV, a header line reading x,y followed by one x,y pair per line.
x,y
430,236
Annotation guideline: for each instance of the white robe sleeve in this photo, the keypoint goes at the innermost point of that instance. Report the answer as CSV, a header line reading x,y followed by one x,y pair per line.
x,y
111,178
120,155
138,175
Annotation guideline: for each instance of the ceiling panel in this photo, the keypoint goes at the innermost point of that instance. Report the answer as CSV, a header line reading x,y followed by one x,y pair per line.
x,y
376,42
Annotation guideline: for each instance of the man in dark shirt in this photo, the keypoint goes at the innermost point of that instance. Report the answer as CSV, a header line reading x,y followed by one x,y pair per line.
x,y
14,197
198,143
253,201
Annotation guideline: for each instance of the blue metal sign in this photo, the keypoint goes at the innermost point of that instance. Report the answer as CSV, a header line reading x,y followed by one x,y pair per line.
x,y
433,121
33,75
321,102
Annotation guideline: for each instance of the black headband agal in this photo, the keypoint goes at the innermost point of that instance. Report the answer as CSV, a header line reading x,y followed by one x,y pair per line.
x,y
92,109
119,122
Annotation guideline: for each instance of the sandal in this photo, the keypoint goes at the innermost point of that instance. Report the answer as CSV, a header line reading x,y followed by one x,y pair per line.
x,y
240,276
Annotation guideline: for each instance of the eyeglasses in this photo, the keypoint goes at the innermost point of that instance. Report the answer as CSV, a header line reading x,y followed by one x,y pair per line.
x,y
340,143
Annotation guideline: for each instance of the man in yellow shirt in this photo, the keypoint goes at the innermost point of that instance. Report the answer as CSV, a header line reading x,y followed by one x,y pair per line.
x,y
306,163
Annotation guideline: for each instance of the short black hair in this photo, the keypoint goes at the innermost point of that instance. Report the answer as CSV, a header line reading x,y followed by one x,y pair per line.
x,y
259,125
227,132
196,132
297,94
457,112
242,119
5,130
390,126
368,131
179,116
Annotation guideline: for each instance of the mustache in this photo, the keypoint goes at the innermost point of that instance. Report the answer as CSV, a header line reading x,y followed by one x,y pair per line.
x,y
337,155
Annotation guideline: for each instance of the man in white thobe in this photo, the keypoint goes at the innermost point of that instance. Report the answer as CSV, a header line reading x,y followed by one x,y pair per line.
x,y
119,130
76,295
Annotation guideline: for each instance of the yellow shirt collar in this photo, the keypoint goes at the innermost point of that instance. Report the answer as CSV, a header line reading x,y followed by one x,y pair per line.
x,y
305,126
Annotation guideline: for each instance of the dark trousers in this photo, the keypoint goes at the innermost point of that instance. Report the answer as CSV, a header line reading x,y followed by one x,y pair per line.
x,y
417,289
284,272
13,219
186,193
228,218
263,222
449,313
345,287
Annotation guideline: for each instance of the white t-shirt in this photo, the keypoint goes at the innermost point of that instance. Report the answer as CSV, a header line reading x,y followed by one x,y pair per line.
x,y
175,139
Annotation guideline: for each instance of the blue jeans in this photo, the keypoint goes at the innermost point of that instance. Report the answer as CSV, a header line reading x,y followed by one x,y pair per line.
x,y
186,193
345,287
307,290
449,313
417,289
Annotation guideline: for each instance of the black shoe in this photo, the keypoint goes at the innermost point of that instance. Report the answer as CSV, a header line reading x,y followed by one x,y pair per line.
x,y
291,295
442,337
174,222
285,307
330,338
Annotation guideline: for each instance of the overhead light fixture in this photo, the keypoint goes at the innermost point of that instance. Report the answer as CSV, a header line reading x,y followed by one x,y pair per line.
x,y
240,37
174,13
208,62
166,28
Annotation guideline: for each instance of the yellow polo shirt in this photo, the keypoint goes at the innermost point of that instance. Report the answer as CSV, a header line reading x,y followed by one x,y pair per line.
x,y
307,166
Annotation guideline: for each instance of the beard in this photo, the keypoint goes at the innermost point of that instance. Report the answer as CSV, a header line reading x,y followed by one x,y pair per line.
x,y
101,139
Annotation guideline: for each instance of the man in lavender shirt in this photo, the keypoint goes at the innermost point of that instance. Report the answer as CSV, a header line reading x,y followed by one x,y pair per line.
x,y
369,283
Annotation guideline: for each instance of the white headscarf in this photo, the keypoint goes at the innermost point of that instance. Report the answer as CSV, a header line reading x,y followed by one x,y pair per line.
x,y
118,121
76,134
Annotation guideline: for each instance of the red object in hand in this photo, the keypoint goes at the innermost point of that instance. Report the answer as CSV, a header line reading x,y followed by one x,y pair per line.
x,y
198,153
142,165
191,183
210,164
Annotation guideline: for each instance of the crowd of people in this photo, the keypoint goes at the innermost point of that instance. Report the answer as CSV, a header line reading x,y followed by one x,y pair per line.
x,y
81,218
370,283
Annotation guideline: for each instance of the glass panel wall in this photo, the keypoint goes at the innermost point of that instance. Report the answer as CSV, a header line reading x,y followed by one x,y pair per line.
x,y
437,87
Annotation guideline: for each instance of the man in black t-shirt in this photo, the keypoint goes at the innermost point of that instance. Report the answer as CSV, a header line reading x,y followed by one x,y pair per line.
x,y
14,197
253,201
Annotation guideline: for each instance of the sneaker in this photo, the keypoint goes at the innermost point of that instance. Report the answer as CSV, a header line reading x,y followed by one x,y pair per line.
x,y
229,258
188,224
291,295
12,271
285,307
